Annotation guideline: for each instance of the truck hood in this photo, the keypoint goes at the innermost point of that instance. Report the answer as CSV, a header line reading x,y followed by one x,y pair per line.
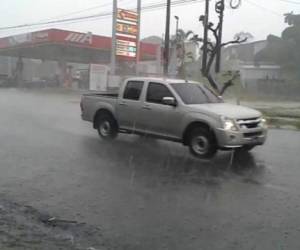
x,y
227,110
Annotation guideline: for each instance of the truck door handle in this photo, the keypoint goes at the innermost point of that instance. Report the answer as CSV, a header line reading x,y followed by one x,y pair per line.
x,y
123,103
146,107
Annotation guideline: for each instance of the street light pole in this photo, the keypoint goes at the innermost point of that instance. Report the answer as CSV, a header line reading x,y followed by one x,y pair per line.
x,y
167,38
205,37
177,24
113,46
139,7
220,33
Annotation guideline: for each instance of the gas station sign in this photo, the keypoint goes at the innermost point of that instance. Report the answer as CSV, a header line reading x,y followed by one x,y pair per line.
x,y
126,48
128,29
127,32
127,15
125,43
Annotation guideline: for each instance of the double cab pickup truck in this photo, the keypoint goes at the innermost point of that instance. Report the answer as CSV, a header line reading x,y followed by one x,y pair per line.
x,y
177,110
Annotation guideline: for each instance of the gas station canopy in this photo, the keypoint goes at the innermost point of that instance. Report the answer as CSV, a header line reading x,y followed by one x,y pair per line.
x,y
68,46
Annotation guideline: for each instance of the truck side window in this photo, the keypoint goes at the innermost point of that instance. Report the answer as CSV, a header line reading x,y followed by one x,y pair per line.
x,y
156,92
133,90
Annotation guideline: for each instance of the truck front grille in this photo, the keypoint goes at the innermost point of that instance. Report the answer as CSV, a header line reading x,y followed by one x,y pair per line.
x,y
253,134
249,123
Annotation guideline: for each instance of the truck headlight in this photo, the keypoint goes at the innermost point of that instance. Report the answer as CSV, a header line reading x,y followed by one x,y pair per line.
x,y
229,124
263,122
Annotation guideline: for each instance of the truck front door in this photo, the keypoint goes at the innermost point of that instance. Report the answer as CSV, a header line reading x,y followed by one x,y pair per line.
x,y
156,117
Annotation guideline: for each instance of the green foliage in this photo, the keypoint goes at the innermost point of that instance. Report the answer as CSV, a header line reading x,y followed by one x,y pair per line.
x,y
284,50
181,38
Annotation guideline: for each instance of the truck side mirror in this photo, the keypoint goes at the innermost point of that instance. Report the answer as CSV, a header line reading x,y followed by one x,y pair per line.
x,y
169,101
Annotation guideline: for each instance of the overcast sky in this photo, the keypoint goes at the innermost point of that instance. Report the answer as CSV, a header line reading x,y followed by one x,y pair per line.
x,y
259,17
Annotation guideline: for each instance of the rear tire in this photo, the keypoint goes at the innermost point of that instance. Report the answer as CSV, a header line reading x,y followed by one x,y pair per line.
x,y
202,143
107,127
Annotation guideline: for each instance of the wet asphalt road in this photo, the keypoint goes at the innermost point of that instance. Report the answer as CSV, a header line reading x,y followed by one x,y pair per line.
x,y
147,194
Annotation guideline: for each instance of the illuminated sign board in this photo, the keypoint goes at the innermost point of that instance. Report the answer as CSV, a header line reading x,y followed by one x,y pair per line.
x,y
126,53
126,48
127,31
126,43
127,15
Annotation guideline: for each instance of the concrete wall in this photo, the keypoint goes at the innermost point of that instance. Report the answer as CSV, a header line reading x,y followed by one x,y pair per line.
x,y
4,65
252,73
233,57
151,68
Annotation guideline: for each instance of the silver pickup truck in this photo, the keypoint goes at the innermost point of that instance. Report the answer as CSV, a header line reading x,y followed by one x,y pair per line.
x,y
176,110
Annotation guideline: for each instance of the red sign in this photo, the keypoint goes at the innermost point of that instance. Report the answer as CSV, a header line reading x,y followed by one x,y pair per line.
x,y
80,38
58,37
40,36
127,15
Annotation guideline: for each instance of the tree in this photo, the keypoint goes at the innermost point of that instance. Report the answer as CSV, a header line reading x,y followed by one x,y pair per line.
x,y
179,41
243,35
284,50
213,48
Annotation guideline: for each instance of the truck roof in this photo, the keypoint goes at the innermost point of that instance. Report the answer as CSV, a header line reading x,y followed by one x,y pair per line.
x,y
160,79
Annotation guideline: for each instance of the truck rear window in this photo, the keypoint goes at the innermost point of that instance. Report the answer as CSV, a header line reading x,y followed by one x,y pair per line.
x,y
133,90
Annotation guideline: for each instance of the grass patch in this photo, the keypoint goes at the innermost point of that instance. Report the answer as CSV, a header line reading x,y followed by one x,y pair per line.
x,y
277,122
297,124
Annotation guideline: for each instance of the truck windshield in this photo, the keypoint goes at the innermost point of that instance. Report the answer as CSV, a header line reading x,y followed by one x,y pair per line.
x,y
192,93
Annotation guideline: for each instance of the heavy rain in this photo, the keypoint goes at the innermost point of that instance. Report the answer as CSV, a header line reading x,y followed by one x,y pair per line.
x,y
138,125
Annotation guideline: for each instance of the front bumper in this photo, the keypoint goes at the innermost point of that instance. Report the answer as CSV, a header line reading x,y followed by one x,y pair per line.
x,y
235,139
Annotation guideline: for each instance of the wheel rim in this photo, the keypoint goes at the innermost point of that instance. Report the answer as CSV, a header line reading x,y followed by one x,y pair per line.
x,y
200,145
105,128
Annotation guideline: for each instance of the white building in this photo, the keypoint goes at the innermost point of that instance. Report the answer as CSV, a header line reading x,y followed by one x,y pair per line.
x,y
251,74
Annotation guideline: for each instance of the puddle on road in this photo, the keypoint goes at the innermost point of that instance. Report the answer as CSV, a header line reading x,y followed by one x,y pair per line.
x,y
154,163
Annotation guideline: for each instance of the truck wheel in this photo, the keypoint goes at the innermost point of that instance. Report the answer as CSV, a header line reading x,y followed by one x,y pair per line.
x,y
202,143
107,127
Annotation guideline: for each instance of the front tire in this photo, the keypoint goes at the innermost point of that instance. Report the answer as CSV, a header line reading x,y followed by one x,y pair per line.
x,y
202,143
107,127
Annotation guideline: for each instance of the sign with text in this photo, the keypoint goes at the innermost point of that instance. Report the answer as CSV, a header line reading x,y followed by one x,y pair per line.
x,y
127,32
126,48
75,37
127,15
127,29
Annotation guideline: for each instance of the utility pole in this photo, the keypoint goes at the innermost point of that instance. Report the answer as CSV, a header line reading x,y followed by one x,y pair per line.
x,y
167,38
205,37
139,12
220,10
177,24
113,44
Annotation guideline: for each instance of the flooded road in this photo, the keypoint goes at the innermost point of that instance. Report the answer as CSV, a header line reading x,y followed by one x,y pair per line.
x,y
144,193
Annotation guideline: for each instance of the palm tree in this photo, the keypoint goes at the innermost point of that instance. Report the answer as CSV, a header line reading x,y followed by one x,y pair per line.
x,y
179,42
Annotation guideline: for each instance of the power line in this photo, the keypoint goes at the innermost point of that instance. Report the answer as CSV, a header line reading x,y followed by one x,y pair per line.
x,y
84,10
289,1
127,1
264,8
77,12
152,7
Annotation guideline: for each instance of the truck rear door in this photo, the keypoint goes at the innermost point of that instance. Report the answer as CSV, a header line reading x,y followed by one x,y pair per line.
x,y
129,105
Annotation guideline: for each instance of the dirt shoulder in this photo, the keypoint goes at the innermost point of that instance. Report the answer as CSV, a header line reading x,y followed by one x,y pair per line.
x,y
23,227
